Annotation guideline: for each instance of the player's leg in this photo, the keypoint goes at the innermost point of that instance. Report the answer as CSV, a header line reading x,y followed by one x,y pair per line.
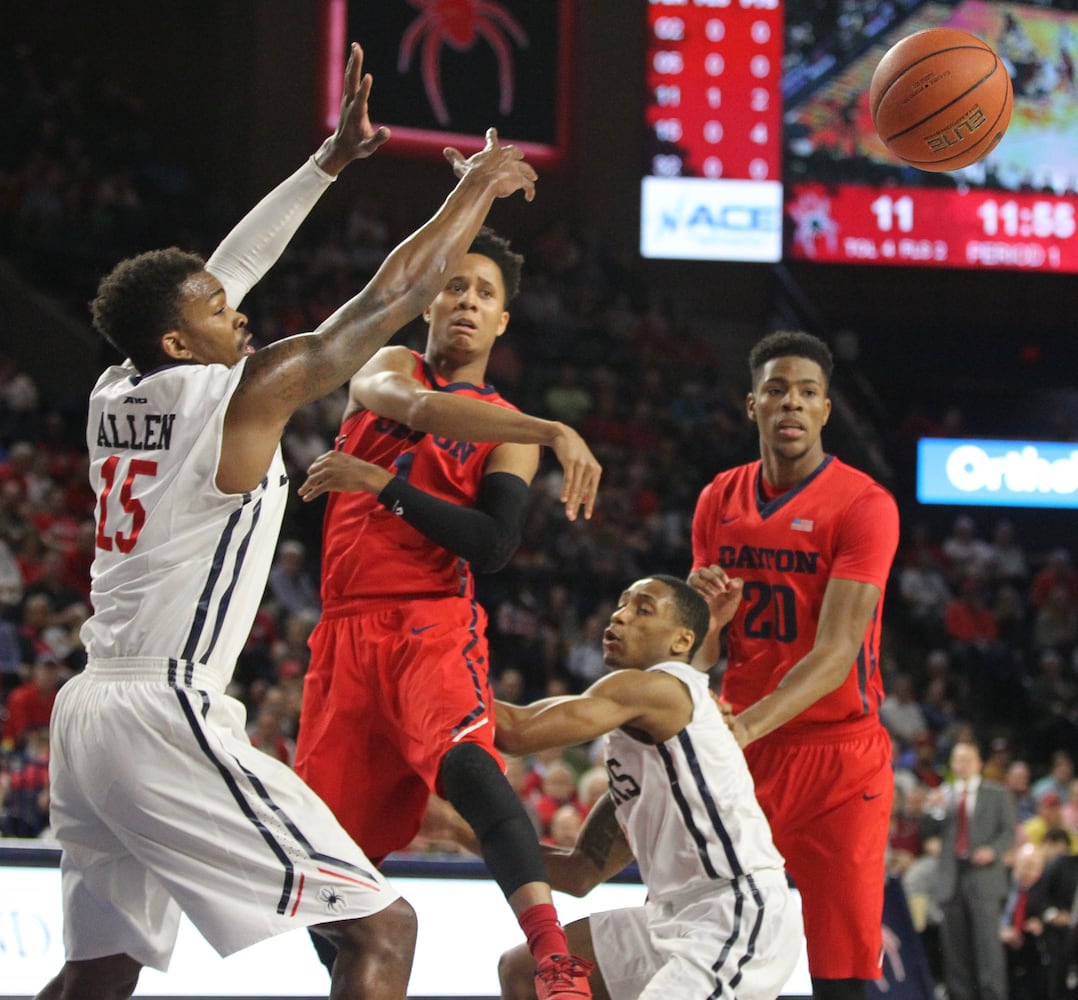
x,y
112,977
839,989
445,718
829,807
373,954
474,784
516,967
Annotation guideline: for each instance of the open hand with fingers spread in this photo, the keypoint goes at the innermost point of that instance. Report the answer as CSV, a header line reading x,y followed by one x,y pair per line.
x,y
504,166
355,138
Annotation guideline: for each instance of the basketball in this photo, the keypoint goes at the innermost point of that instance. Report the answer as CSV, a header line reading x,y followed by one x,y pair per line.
x,y
941,99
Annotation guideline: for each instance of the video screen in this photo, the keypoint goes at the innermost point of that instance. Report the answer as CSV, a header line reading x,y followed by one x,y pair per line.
x,y
846,198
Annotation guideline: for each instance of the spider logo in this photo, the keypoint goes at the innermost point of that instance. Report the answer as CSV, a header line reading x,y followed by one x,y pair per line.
x,y
331,898
458,23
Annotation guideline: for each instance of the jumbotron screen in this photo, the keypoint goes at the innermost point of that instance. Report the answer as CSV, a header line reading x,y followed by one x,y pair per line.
x,y
761,147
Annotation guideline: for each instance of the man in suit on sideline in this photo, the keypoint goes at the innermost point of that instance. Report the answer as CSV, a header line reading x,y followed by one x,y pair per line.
x,y
977,829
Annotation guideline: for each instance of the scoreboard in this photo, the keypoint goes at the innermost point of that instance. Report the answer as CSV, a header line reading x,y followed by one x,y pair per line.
x,y
760,145
712,181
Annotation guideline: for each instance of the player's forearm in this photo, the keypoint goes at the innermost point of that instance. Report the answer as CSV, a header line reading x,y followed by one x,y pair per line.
x,y
600,852
465,419
260,237
552,722
814,677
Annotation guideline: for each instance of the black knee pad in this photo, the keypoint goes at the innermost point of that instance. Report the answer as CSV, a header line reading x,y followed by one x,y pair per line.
x,y
475,786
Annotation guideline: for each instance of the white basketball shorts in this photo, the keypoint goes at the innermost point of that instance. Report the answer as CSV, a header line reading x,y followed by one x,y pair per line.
x,y
741,940
160,803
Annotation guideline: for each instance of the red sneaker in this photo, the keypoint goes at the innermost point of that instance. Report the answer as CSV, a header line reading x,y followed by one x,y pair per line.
x,y
563,977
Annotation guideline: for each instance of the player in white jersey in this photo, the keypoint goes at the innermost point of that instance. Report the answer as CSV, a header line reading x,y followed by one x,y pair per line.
x,y
158,799
719,920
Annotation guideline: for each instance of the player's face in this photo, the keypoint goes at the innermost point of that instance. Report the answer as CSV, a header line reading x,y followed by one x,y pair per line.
x,y
790,406
212,331
644,628
469,313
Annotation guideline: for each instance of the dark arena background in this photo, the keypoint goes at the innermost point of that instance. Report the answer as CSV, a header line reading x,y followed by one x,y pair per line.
x,y
949,303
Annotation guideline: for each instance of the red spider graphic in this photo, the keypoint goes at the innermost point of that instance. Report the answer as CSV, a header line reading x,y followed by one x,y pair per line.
x,y
458,23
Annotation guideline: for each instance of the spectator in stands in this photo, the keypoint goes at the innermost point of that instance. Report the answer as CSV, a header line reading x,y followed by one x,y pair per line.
x,y
1017,783
1008,563
973,636
998,760
965,553
900,712
1049,816
564,825
1055,622
24,789
291,584
1070,806
1020,932
558,789
1058,571
29,706
567,399
925,592
1052,904
1058,778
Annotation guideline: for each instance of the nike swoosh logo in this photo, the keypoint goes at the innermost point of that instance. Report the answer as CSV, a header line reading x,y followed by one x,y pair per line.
x,y
417,631
727,520
865,795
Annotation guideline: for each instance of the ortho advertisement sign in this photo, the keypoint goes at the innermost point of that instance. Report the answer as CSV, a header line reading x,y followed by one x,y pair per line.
x,y
997,473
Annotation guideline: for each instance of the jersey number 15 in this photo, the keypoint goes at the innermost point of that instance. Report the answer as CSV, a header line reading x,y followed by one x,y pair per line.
x,y
130,505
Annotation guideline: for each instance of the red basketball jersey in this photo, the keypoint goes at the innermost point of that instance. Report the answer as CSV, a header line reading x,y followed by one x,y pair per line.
x,y
839,523
368,552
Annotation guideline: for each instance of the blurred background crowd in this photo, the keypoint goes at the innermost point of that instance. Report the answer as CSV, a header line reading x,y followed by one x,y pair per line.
x,y
981,627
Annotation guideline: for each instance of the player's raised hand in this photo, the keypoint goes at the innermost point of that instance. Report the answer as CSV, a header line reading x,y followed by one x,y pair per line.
x,y
722,593
504,166
581,472
355,138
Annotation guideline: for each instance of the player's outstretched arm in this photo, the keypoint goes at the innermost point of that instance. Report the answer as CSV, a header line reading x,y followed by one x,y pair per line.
x,y
600,852
290,373
258,240
655,703
388,387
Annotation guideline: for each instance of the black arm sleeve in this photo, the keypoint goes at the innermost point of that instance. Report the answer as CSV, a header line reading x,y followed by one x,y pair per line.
x,y
486,535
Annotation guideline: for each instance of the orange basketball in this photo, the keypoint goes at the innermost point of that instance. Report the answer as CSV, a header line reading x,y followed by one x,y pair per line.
x,y
941,99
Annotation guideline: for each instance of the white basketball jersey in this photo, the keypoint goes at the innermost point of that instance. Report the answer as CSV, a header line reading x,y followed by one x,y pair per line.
x,y
180,567
688,806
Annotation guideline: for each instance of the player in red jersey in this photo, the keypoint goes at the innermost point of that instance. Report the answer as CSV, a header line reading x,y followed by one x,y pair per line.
x,y
429,479
802,545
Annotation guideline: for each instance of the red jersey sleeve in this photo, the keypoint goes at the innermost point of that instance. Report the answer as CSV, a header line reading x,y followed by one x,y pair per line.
x,y
867,539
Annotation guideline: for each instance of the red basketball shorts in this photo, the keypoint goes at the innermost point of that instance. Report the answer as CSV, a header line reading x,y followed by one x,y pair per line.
x,y
829,804
389,692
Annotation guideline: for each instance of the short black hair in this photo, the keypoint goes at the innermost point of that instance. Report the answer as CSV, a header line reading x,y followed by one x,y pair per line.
x,y
791,343
488,243
692,609
138,302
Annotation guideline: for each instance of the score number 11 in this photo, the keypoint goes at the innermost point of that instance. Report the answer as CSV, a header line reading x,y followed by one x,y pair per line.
x,y
891,212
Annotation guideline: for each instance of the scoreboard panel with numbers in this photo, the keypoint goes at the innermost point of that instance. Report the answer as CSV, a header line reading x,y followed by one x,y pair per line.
x,y
712,186
760,142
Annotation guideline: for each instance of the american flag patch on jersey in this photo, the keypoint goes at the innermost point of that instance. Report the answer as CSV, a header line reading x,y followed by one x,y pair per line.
x,y
802,524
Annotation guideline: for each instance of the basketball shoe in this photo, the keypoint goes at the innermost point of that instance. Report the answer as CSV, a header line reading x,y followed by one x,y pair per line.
x,y
563,977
